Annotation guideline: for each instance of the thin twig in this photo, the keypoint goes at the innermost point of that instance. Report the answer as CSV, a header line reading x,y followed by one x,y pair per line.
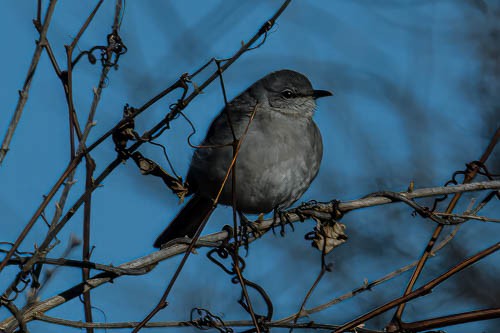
x,y
23,94
68,80
437,232
90,167
174,113
368,286
455,319
424,290
178,248
300,313
233,323
87,306
41,254
135,146
69,171
241,280
162,303
465,217
84,264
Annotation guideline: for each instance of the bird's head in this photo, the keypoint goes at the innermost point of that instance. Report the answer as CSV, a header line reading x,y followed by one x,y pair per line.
x,y
289,92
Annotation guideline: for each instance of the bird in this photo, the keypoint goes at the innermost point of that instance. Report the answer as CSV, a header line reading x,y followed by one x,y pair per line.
x,y
279,155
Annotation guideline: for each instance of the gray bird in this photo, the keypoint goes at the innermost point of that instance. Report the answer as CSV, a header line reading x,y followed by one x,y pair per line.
x,y
278,158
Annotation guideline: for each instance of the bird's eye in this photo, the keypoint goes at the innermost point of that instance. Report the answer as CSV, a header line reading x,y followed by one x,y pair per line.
x,y
287,93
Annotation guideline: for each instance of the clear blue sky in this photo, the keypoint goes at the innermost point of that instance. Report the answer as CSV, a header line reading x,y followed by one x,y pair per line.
x,y
416,91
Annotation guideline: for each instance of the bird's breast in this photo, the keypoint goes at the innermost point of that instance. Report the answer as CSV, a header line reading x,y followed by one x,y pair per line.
x,y
276,163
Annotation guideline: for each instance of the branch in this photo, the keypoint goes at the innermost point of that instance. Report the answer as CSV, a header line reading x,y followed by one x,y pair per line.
x,y
468,177
82,264
180,246
421,193
75,160
455,319
111,166
368,286
17,314
424,290
232,323
469,217
23,94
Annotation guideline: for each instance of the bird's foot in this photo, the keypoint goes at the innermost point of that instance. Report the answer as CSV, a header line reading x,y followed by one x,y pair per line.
x,y
284,219
248,229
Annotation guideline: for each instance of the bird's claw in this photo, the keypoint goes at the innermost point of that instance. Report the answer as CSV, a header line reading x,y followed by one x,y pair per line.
x,y
247,228
284,219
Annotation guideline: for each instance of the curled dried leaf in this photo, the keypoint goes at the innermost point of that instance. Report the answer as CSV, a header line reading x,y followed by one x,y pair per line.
x,y
329,235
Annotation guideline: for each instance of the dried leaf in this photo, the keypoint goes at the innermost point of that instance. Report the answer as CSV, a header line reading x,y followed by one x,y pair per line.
x,y
329,236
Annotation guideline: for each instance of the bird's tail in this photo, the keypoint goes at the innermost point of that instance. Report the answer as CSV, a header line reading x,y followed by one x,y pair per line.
x,y
187,221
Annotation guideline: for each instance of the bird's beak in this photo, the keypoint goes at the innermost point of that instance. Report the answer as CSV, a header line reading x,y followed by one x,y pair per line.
x,y
321,93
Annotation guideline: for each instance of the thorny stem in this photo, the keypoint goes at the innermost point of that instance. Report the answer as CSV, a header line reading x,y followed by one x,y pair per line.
x,y
89,165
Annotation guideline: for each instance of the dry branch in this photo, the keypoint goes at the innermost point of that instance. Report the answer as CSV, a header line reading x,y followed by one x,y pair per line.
x,y
456,319
229,323
154,258
23,94
369,285
424,290
468,177
35,311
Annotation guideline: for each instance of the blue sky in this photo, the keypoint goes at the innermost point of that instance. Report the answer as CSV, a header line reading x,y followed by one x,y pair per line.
x,y
415,86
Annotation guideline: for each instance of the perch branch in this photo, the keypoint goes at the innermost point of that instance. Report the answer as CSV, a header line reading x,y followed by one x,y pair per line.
x,y
175,249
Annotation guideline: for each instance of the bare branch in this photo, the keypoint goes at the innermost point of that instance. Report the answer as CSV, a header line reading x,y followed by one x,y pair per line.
x,y
177,247
232,323
367,286
469,217
23,94
469,176
425,289
455,319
